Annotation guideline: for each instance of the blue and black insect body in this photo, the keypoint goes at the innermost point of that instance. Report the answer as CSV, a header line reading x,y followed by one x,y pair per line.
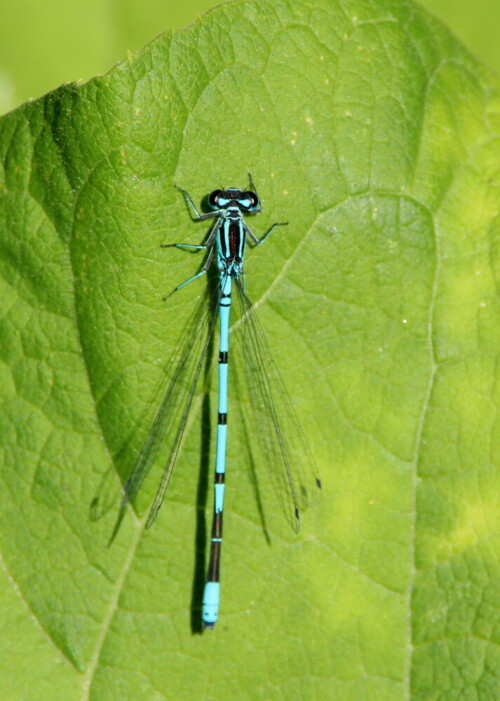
x,y
286,452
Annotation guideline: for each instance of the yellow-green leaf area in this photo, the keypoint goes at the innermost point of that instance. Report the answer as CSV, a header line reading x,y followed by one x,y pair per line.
x,y
369,129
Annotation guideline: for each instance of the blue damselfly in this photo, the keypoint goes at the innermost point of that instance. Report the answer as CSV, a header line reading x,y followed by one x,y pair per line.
x,y
286,454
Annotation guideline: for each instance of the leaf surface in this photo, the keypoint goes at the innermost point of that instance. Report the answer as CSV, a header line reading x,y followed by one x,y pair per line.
x,y
369,129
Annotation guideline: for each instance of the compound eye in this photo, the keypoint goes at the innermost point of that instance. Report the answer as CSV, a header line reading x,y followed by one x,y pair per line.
x,y
213,199
252,198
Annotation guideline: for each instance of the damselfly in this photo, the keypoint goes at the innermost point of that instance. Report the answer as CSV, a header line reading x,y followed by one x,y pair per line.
x,y
286,454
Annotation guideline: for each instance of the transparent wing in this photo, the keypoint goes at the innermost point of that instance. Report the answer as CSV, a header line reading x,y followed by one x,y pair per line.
x,y
285,450
184,369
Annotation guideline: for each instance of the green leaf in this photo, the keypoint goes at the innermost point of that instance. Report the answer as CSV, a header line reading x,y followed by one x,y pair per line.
x,y
370,130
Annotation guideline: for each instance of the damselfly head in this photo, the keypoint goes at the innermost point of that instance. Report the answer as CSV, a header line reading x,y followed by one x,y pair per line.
x,y
245,200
